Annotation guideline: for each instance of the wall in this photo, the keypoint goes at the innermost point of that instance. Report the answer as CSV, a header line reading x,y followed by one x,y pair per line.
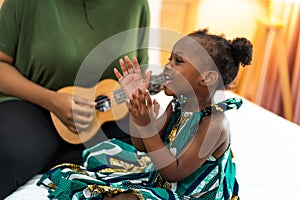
x,y
154,54
231,17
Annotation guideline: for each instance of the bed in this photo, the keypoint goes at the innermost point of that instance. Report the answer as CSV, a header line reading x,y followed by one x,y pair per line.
x,y
265,146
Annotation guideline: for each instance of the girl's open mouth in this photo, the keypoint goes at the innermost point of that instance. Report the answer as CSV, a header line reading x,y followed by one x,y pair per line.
x,y
168,76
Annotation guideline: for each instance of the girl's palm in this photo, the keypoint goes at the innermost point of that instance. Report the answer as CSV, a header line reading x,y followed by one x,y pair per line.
x,y
132,77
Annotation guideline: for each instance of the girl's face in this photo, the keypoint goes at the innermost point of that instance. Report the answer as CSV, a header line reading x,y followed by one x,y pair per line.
x,y
183,72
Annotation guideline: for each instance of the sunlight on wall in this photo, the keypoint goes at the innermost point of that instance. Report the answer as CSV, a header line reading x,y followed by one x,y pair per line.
x,y
234,18
155,8
154,37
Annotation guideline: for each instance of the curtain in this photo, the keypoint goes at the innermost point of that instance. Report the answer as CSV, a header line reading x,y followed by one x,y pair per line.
x,y
273,79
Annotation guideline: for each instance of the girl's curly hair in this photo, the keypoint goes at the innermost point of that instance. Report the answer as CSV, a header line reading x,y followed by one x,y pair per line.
x,y
228,55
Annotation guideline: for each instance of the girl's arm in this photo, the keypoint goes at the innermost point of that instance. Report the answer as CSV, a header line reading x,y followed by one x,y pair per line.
x,y
211,138
159,128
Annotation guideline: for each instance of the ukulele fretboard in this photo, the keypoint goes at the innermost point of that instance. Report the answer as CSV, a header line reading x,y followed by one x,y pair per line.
x,y
119,95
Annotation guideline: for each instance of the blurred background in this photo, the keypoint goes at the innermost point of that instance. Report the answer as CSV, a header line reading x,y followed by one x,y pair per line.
x,y
272,81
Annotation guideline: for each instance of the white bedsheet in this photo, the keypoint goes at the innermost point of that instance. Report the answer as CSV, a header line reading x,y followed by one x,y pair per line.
x,y
266,149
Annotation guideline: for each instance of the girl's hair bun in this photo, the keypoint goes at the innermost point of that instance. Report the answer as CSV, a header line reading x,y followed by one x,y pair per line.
x,y
242,51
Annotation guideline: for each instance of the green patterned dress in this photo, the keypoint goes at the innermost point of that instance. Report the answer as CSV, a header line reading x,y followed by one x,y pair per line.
x,y
113,166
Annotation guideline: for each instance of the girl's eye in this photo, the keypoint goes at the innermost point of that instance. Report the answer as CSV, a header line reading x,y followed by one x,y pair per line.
x,y
175,59
178,60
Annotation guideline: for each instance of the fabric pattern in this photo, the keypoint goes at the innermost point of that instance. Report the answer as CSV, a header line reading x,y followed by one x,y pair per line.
x,y
113,166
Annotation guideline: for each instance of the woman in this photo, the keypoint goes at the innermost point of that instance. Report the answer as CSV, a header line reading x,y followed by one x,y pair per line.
x,y
42,46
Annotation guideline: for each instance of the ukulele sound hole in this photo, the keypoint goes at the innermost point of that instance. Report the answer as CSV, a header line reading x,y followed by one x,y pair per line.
x,y
103,103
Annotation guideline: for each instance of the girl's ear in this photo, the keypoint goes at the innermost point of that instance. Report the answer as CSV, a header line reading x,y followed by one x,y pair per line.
x,y
209,78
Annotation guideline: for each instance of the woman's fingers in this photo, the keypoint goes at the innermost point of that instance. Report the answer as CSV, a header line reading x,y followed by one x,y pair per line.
x,y
83,113
82,122
73,129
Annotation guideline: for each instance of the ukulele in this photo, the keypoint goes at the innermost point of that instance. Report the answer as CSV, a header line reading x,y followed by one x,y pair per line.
x,y
111,106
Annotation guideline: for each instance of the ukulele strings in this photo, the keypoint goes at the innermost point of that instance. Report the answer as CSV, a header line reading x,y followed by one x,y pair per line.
x,y
123,97
107,98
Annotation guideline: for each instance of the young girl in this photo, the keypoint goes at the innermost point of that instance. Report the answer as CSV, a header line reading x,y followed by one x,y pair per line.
x,y
185,153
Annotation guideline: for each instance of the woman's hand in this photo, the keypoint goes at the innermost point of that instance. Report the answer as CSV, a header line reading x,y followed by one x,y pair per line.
x,y
74,112
132,77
